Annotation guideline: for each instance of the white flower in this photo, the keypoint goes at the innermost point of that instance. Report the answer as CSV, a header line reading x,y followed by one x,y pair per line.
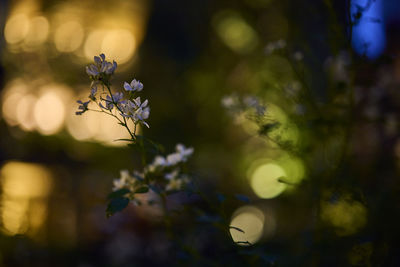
x,y
172,175
111,100
136,110
133,86
123,181
101,65
118,184
139,104
175,182
160,161
229,101
174,185
184,152
174,159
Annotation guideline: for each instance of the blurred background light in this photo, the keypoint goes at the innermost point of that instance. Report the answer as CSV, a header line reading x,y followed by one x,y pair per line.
x,y
36,108
37,33
24,112
16,29
345,215
12,94
235,32
49,113
93,43
25,188
264,179
250,220
119,45
294,169
369,37
68,36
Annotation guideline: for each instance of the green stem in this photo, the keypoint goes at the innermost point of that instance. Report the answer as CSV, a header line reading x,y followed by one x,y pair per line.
x,y
133,136
167,218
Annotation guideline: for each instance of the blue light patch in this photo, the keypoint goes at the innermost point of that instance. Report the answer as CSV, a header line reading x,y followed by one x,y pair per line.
x,y
369,38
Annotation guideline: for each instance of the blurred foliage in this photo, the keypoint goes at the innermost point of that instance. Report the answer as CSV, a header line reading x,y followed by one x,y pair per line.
x,y
329,110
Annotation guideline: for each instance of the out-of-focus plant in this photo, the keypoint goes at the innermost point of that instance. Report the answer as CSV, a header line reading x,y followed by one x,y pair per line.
x,y
333,201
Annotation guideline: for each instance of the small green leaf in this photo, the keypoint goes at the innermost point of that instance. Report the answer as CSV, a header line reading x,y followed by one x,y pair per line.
x,y
143,189
118,193
115,205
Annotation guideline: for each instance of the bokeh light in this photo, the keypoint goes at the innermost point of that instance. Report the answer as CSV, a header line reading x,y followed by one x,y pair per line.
x,y
11,96
119,45
250,221
25,187
24,112
347,216
294,169
16,29
36,108
93,43
49,113
38,32
235,32
265,179
69,36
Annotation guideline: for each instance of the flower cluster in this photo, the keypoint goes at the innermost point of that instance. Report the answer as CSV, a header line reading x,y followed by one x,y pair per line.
x,y
123,105
234,104
163,174
101,67
273,46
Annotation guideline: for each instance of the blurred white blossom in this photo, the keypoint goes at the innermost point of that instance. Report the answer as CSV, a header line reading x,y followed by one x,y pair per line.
x,y
337,66
168,168
298,56
273,46
236,105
